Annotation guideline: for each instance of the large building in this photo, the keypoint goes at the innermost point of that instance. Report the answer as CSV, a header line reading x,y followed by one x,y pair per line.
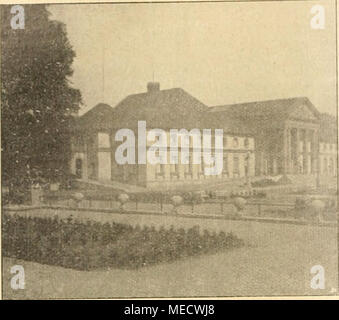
x,y
328,145
94,144
286,133
260,138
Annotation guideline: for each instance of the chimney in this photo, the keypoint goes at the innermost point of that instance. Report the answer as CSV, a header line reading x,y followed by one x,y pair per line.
x,y
153,86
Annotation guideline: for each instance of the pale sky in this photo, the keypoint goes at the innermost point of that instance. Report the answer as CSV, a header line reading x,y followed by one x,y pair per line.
x,y
221,53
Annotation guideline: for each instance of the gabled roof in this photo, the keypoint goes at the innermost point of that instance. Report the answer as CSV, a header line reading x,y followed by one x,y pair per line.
x,y
280,109
175,108
221,120
99,117
171,108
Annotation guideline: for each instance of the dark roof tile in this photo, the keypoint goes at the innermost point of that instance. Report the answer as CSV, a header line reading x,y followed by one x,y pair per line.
x,y
172,108
269,109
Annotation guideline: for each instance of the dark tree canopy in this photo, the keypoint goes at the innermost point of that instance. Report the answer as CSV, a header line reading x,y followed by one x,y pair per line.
x,y
37,99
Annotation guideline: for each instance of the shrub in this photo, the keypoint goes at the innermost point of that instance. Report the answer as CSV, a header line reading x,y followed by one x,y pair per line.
x,y
93,245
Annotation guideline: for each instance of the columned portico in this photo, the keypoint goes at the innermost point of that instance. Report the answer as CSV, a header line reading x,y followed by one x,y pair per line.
x,y
301,149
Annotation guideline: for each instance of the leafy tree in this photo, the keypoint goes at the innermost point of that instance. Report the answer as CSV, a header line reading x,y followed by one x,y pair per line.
x,y
37,99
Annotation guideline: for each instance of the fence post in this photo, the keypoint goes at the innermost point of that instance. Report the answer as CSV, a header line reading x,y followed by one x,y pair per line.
x,y
222,207
259,209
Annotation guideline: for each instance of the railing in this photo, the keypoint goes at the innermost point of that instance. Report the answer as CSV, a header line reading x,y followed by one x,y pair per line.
x,y
254,205
79,212
258,204
224,207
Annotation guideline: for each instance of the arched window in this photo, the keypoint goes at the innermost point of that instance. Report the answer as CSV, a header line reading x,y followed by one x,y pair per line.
x,y
78,168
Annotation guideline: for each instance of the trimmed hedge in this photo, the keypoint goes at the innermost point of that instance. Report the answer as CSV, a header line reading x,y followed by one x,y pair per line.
x,y
92,245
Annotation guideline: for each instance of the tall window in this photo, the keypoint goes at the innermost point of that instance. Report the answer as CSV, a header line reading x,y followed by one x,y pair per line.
x,y
330,166
308,146
236,165
301,146
325,168
225,165
235,142
246,143
225,141
92,170
78,168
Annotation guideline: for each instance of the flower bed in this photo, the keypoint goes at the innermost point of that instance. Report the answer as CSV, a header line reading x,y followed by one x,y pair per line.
x,y
88,246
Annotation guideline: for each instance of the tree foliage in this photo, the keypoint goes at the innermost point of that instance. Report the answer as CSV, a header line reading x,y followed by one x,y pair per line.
x,y
37,98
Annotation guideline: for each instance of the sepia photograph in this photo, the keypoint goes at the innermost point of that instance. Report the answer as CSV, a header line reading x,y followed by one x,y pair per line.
x,y
169,150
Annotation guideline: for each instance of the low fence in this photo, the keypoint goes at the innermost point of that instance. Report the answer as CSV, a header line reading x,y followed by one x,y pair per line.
x,y
107,214
244,204
250,205
218,206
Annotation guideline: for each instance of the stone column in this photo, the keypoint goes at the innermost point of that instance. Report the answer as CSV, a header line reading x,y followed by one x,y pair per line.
x,y
312,154
304,151
296,169
316,151
286,148
292,150
289,150
317,156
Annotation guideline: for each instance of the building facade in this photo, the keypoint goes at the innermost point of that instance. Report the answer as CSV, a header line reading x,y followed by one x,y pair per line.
x,y
94,144
286,133
328,152
259,139
328,158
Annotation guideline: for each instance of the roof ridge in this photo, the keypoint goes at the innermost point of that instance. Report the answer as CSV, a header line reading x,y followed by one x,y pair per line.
x,y
100,104
261,101
146,92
